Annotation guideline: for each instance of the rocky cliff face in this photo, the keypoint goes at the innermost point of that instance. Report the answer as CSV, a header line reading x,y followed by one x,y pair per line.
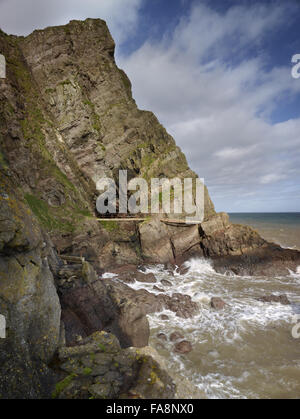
x,y
69,119
28,299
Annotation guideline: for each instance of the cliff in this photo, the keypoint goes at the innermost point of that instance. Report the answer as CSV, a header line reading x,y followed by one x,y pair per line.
x,y
67,119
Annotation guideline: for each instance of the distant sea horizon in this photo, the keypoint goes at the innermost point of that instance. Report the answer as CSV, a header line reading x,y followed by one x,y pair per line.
x,y
282,228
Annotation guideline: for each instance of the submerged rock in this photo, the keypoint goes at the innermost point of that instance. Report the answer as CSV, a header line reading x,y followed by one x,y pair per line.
x,y
217,303
146,278
282,299
166,283
162,336
183,347
176,336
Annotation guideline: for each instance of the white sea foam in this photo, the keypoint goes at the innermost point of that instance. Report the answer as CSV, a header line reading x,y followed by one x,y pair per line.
x,y
225,341
199,266
109,275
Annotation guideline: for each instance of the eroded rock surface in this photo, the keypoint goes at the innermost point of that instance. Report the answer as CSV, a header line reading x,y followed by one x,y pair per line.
x,y
28,300
98,368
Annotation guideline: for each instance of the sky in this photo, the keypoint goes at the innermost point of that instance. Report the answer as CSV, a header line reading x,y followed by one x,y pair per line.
x,y
217,74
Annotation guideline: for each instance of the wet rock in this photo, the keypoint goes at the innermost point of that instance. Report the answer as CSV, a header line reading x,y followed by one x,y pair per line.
x,y
28,300
153,380
180,304
94,305
164,317
162,336
170,267
216,224
183,269
126,273
127,278
155,241
176,336
264,259
183,347
146,278
282,299
217,303
158,289
97,368
166,283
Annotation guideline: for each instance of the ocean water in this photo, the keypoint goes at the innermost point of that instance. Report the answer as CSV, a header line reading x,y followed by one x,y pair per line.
x,y
247,350
281,228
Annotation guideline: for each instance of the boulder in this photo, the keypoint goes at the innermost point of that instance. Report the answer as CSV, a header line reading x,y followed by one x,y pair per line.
x,y
217,303
153,380
155,241
162,336
100,369
180,304
166,283
176,336
266,259
104,305
97,368
158,289
183,347
282,299
217,223
146,278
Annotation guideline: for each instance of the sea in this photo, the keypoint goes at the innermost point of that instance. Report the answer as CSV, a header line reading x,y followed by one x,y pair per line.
x,y
250,349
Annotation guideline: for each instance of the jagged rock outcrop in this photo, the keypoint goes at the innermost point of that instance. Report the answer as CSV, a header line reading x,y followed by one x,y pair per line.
x,y
90,304
98,369
28,300
68,119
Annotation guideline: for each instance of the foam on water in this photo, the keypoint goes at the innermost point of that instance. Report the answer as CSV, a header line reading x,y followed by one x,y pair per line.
x,y
235,347
109,275
199,266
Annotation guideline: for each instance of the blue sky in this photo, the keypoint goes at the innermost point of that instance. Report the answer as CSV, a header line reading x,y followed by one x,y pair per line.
x,y
217,73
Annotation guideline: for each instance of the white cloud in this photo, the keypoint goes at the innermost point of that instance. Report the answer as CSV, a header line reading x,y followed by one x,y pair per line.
x,y
217,102
21,17
271,178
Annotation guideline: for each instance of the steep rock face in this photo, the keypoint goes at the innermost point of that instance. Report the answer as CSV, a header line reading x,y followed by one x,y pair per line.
x,y
69,119
90,304
90,100
28,300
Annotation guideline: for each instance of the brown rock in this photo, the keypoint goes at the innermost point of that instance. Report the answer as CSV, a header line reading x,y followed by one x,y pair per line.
x,y
282,299
261,259
107,305
162,336
146,278
217,303
176,336
164,317
180,304
183,347
158,289
166,283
